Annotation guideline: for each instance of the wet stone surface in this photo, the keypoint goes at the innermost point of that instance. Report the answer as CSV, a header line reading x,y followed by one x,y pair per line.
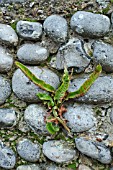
x,y
7,117
56,27
5,89
28,150
8,35
28,167
34,117
72,55
103,54
94,150
59,151
6,60
100,92
32,54
29,30
79,117
25,89
7,157
89,24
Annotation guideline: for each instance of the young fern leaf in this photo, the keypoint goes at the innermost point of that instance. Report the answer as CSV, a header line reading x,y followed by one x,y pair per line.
x,y
51,128
46,97
86,85
61,91
34,79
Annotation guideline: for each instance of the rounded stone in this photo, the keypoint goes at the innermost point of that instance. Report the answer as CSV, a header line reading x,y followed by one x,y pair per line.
x,y
34,117
100,92
6,61
94,150
28,150
8,35
56,27
26,90
7,118
7,157
28,167
59,151
89,24
29,30
79,117
72,55
32,54
103,54
111,115
83,167
5,89
54,167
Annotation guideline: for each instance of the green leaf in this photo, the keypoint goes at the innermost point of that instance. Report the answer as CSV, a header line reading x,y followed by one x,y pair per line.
x,y
72,166
44,96
34,79
61,91
86,85
51,128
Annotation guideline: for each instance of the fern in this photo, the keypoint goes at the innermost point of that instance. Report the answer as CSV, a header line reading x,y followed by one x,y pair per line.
x,y
55,101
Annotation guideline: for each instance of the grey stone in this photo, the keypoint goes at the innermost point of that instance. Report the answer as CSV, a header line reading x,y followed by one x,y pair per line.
x,y
9,1
56,27
28,150
7,157
34,116
25,89
111,115
5,89
59,151
79,117
103,3
100,92
8,35
103,54
83,167
72,55
28,167
29,30
54,167
6,60
7,118
112,20
90,24
32,54
94,150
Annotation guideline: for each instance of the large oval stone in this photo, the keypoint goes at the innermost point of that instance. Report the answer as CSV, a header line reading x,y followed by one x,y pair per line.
x,y
100,92
26,90
58,151
90,24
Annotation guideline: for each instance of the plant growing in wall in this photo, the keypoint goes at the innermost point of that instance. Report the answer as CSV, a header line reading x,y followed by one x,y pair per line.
x,y
55,99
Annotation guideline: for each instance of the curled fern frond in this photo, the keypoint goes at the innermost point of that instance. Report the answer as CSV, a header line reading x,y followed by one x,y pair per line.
x,y
86,85
52,129
61,91
34,79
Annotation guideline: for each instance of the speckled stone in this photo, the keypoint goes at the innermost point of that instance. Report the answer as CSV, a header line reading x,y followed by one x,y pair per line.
x,y
59,151
56,27
28,167
34,117
72,55
79,117
54,167
28,150
7,157
8,35
100,92
5,89
25,89
83,167
32,54
29,30
94,150
89,24
6,60
7,117
103,54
